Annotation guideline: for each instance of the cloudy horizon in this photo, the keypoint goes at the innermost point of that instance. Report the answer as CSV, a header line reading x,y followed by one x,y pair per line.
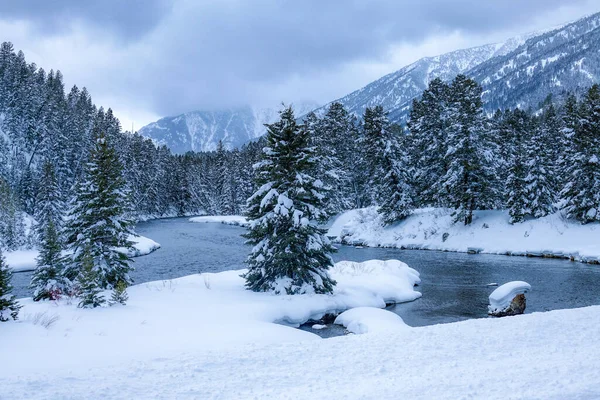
x,y
150,59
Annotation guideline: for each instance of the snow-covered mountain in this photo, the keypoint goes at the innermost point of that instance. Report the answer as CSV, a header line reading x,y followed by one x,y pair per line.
x,y
396,91
519,72
202,130
564,59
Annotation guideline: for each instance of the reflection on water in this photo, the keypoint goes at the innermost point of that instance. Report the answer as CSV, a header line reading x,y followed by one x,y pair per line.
x,y
454,285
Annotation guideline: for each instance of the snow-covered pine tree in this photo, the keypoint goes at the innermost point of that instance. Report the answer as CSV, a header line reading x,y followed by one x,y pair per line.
x,y
47,280
539,186
469,182
397,194
582,191
12,231
9,308
427,126
390,180
49,205
89,291
97,219
518,124
569,124
332,138
291,254
381,151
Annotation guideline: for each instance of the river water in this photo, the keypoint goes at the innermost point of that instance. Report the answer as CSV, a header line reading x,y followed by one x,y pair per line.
x,y
454,285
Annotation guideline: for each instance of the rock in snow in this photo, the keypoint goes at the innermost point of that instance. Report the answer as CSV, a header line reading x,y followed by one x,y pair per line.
x,y
509,299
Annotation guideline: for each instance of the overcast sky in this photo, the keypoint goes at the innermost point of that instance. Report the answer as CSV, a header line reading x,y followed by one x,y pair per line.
x,y
152,58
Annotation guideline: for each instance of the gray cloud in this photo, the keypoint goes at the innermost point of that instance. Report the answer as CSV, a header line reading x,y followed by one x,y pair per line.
x,y
183,54
128,19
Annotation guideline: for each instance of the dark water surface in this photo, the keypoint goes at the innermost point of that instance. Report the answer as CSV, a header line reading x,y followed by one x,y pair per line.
x,y
454,285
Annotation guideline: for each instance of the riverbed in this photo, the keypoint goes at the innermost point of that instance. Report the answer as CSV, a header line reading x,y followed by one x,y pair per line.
x,y
455,286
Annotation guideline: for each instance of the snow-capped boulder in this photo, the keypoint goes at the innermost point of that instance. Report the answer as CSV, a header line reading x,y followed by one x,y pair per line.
x,y
509,299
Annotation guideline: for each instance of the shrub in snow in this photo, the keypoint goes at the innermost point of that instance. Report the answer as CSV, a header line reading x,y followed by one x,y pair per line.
x,y
89,288
119,294
291,254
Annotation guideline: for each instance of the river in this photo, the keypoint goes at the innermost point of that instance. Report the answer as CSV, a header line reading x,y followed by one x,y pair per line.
x,y
454,285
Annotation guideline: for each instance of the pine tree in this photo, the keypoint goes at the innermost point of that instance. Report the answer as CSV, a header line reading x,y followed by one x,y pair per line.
x,y
88,284
47,280
469,182
9,308
49,203
516,187
428,125
97,219
332,139
582,190
291,254
390,182
539,184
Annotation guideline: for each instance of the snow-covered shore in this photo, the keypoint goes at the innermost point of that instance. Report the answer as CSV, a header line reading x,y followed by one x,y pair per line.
x,y
490,232
204,336
236,220
25,260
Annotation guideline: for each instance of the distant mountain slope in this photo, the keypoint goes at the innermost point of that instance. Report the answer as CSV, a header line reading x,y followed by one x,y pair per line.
x,y
397,90
202,130
565,59
519,72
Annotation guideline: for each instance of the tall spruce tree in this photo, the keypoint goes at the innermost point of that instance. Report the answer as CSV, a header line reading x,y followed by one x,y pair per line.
x,y
390,180
428,125
333,142
469,183
291,254
9,308
583,187
539,182
49,205
519,125
97,219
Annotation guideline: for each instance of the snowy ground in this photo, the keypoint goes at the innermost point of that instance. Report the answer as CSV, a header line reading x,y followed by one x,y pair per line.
x,y
237,220
24,260
203,336
490,232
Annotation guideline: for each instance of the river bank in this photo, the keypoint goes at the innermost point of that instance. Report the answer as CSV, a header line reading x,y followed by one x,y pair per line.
x,y
434,229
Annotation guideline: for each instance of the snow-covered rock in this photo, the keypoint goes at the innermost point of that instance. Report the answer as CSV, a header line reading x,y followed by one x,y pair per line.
x,y
237,220
368,319
509,299
490,232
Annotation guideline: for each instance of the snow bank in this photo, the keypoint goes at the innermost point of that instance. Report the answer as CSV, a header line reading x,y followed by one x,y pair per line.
x,y
25,260
210,310
490,232
21,260
501,298
186,339
367,319
237,220
372,283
